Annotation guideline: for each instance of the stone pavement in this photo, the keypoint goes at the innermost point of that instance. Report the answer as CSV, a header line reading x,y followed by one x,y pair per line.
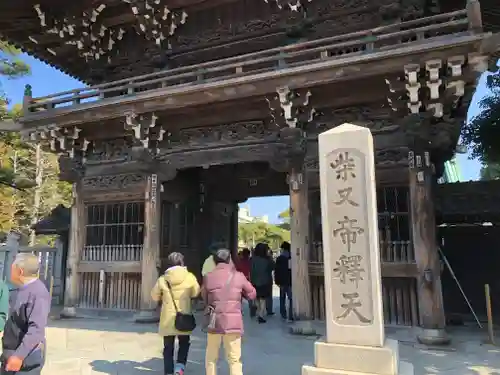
x,y
120,347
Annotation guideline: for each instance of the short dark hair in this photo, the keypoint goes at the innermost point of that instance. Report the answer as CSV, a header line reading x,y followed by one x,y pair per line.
x,y
175,259
286,246
222,256
261,249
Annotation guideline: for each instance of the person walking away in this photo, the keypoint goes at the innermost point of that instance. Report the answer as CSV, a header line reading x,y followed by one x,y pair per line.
x,y
223,290
283,279
261,278
209,264
243,266
243,263
269,300
23,339
175,289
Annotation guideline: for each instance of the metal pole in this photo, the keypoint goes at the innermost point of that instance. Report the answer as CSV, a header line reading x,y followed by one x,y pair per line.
x,y
489,314
459,286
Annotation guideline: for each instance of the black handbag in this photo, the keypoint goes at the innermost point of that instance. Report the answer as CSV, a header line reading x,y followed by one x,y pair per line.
x,y
183,322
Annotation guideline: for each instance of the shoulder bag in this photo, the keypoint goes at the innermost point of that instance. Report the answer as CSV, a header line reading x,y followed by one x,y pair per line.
x,y
210,314
183,322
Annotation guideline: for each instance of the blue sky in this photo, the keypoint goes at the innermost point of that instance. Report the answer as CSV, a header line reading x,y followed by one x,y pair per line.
x,y
46,80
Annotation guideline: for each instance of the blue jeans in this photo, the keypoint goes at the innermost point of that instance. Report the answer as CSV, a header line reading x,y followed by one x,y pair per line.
x,y
286,293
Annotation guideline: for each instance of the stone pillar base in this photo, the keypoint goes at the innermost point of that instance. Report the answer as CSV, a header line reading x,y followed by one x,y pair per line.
x,y
147,316
433,337
68,313
303,328
342,359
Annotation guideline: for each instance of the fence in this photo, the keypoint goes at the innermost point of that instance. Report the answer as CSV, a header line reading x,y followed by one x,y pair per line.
x,y
51,264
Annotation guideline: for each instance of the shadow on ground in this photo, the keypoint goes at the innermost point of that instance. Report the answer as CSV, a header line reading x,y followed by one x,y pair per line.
x,y
150,366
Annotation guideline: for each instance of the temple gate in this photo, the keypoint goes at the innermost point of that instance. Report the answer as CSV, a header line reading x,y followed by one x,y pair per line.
x,y
179,124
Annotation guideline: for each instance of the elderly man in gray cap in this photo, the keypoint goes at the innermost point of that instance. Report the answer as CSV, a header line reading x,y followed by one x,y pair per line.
x,y
23,340
223,290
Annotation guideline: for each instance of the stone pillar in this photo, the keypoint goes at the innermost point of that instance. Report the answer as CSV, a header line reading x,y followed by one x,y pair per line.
x,y
299,230
423,224
355,340
151,250
76,244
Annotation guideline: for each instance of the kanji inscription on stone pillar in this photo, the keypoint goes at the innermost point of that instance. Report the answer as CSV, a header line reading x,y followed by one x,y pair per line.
x,y
350,237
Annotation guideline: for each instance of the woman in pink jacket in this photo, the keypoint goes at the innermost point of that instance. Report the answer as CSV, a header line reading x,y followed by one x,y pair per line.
x,y
223,290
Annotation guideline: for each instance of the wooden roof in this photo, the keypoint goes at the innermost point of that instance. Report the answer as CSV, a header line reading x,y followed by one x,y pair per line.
x,y
234,26
468,202
57,222
21,24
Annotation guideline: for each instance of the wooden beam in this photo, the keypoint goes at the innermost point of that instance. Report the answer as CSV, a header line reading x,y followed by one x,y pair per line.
x,y
310,75
122,267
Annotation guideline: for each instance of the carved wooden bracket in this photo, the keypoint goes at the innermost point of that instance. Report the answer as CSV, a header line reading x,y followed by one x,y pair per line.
x,y
294,5
156,21
92,38
60,140
145,129
291,108
436,86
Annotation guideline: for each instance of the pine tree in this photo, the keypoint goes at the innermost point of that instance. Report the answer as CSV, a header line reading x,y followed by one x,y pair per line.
x,y
18,163
11,66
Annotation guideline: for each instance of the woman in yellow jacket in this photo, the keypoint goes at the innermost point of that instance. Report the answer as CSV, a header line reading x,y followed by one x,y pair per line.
x,y
175,289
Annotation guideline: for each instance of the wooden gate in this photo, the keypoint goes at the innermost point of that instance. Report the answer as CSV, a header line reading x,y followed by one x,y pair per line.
x,y
110,263
397,257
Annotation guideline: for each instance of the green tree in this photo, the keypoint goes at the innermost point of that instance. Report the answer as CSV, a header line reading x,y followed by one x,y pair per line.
x,y
252,233
482,134
490,172
11,67
18,162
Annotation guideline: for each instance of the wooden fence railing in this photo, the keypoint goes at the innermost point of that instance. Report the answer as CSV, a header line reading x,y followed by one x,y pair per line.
x,y
51,264
358,43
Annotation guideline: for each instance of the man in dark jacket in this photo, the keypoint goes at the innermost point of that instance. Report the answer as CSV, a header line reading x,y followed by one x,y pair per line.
x,y
283,278
23,340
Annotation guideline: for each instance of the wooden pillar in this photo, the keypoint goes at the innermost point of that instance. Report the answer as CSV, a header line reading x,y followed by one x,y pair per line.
x,y
151,250
233,235
75,246
423,224
299,222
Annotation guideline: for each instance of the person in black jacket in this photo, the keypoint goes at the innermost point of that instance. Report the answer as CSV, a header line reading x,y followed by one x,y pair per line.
x,y
283,278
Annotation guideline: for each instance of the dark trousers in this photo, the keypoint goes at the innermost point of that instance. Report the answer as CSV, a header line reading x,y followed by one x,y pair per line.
x,y
252,307
168,351
286,294
269,301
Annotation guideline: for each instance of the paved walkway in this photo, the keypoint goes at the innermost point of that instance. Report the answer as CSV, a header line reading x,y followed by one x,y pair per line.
x,y
92,346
